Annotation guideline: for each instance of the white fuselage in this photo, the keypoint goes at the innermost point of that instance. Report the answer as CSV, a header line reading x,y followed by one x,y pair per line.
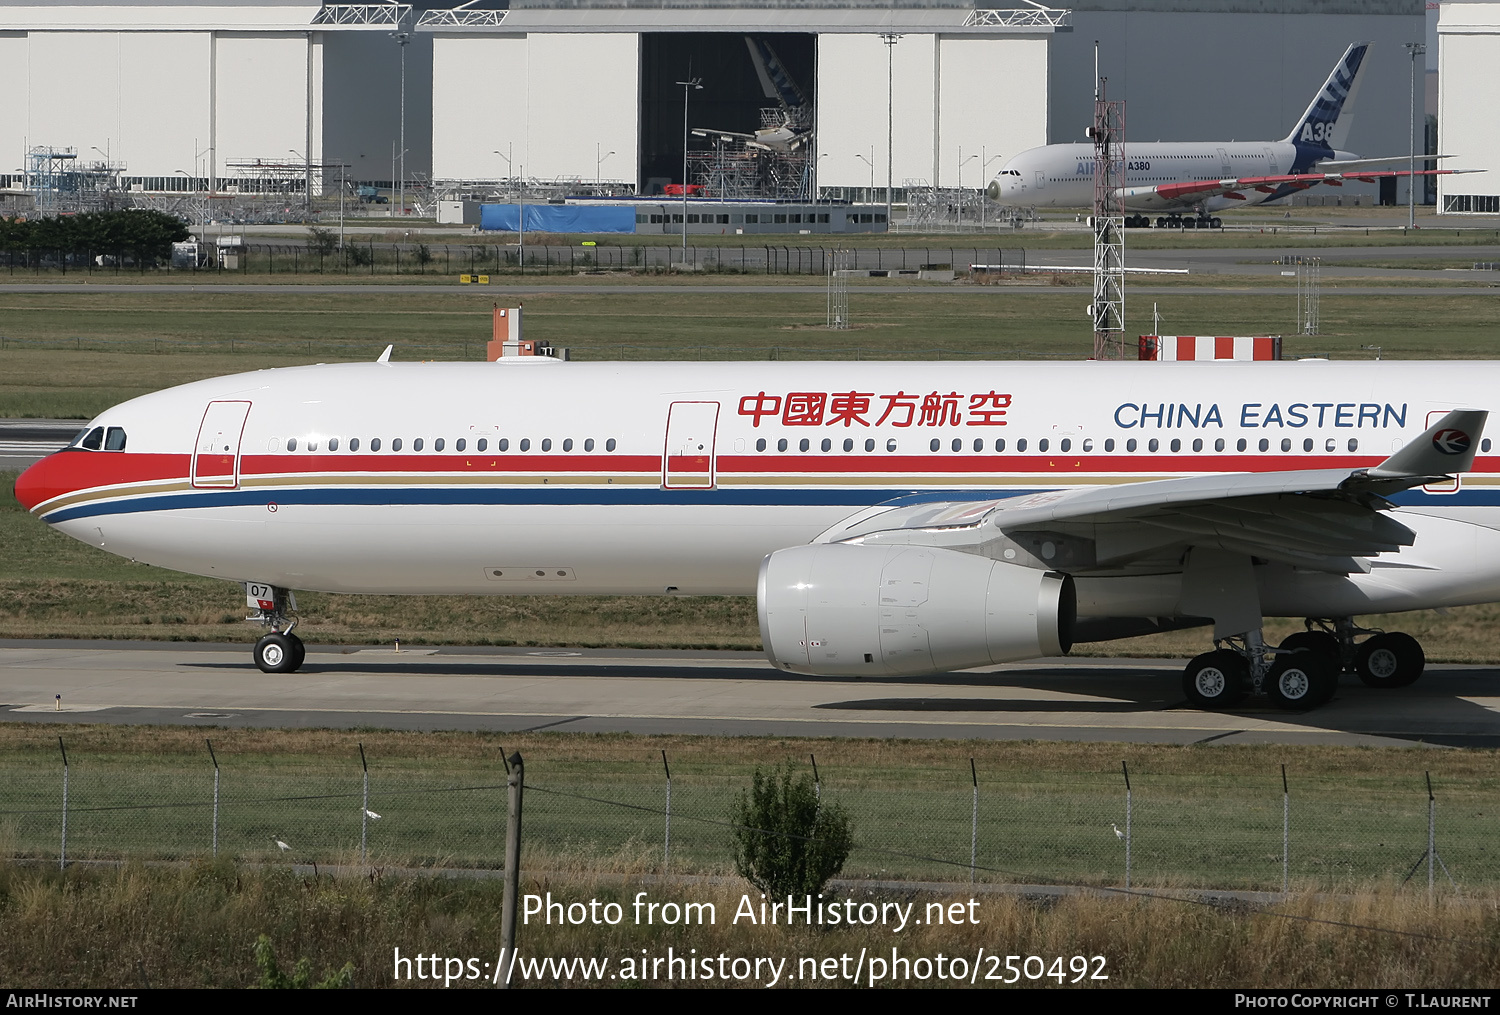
x,y
1062,175
652,478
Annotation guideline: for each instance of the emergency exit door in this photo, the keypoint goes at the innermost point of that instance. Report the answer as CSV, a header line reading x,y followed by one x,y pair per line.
x,y
688,458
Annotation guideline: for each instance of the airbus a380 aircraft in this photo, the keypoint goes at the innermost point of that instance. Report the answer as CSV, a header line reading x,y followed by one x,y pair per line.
x,y
1204,177
892,518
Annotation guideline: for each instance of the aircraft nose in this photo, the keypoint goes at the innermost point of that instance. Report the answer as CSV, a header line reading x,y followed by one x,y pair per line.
x,y
48,479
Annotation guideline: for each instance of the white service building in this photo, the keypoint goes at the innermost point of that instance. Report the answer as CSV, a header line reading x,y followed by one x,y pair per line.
x,y
1468,55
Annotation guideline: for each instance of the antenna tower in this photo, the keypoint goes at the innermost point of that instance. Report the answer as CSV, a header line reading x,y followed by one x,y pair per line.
x,y
1108,308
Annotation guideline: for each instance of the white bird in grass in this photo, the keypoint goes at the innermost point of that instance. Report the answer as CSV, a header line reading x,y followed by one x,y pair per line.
x,y
280,845
1118,834
372,814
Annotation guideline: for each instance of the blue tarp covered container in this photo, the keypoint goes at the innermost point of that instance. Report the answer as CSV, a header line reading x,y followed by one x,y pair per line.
x,y
559,218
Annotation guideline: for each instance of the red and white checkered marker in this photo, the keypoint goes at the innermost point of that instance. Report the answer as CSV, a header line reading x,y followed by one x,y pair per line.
x,y
1238,348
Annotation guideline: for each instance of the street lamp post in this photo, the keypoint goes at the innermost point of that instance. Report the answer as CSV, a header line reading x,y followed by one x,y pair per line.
x,y
306,178
984,170
598,161
692,84
402,39
961,161
515,187
890,39
871,163
1415,49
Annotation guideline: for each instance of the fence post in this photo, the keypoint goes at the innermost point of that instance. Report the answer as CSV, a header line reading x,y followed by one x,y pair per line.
x,y
1126,771
515,782
215,760
62,856
666,845
817,783
364,807
1431,832
974,824
1286,832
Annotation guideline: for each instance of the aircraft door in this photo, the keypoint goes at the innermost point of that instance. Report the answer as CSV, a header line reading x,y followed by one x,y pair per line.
x,y
1041,180
687,461
1226,168
1447,485
216,454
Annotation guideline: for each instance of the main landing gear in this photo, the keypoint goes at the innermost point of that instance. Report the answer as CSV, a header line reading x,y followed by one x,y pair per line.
x,y
279,650
1303,671
1178,221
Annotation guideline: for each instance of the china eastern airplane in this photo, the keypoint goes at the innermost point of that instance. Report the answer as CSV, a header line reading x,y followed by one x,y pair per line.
x,y
892,518
1203,177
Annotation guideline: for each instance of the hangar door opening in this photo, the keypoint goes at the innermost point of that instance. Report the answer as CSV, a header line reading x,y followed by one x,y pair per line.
x,y
762,82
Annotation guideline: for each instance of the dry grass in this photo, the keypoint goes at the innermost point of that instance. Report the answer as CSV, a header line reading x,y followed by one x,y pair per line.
x,y
196,927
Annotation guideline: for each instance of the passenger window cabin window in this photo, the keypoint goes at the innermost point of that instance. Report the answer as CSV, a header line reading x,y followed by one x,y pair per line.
x,y
94,441
546,443
1307,444
760,444
1240,444
114,439
482,444
1065,445
934,445
890,445
979,444
333,444
1130,445
1219,444
1286,444
803,444
416,444
848,444
1153,445
1000,444
1328,445
1197,444
525,443
437,444
1484,446
312,446
827,444
353,443
1021,444
588,445
374,443
1176,445
567,444
870,444
459,445
291,444
781,444
395,443
1354,444
1109,445
1264,445
1043,444
609,445
503,444
958,444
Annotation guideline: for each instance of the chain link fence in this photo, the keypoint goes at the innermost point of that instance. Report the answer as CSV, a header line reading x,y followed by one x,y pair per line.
x,y
369,257
953,823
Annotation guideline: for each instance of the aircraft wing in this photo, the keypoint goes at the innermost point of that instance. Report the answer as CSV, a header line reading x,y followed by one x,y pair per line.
x,y
727,135
1177,195
1323,519
1349,165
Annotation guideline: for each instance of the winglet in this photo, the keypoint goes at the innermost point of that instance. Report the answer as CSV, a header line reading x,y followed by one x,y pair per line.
x,y
1446,447
385,357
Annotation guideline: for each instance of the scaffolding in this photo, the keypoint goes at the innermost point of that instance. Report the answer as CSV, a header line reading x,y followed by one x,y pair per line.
x,y
1108,307
60,182
838,289
1309,284
735,169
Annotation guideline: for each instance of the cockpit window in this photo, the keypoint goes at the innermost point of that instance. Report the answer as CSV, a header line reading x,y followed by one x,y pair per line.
x,y
94,440
114,439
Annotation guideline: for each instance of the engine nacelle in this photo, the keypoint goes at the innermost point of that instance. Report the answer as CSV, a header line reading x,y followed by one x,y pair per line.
x,y
842,609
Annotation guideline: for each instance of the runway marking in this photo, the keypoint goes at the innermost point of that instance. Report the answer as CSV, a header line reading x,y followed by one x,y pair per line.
x,y
1217,736
52,707
549,725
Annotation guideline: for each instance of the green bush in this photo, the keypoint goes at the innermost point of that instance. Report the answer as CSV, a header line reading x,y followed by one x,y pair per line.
x,y
786,842
322,241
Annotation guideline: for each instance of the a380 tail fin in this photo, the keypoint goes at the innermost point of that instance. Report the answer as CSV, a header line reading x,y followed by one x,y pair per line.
x,y
1326,122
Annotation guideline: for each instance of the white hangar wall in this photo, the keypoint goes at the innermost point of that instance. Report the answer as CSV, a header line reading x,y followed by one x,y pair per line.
x,y
548,98
1468,53
160,101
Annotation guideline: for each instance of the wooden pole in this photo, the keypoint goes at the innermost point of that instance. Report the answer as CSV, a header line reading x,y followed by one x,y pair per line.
x,y
515,783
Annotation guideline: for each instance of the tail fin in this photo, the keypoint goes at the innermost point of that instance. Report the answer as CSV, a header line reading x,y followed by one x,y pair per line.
x,y
775,80
1326,122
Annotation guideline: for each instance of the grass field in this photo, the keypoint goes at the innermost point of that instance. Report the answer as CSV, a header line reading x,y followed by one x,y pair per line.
x,y
74,354
1208,816
197,927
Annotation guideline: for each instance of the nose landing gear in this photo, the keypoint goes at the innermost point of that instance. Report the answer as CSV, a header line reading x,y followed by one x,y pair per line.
x,y
279,650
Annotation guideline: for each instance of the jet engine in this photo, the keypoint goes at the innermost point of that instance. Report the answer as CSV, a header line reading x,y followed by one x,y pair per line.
x,y
843,609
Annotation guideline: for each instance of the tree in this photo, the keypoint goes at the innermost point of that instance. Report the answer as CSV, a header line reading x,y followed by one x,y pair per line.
x,y
784,841
322,241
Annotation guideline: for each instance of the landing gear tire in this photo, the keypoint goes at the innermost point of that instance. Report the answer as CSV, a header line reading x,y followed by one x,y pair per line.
x,y
1216,223
1300,680
1216,679
278,653
1189,224
1390,660
1320,643
299,651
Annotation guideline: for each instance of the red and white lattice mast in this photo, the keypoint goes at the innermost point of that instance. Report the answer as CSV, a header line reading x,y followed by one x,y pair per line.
x,y
1108,308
